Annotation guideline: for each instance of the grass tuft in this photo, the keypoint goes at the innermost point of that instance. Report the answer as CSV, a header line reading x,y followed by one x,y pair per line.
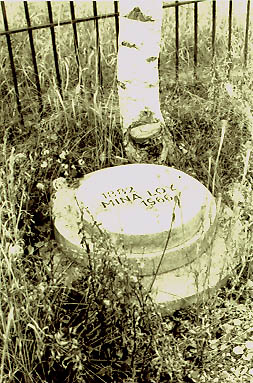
x,y
99,329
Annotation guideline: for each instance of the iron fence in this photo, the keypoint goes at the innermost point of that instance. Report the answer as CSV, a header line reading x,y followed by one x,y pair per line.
x,y
73,20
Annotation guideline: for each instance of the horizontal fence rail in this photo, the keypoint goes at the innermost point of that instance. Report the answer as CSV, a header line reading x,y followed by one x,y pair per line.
x,y
7,33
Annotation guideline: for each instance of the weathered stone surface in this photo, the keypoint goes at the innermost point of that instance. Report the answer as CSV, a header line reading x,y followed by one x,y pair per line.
x,y
144,208
196,281
139,206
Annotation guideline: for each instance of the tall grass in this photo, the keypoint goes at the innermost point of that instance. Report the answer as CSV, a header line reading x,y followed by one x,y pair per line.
x,y
98,329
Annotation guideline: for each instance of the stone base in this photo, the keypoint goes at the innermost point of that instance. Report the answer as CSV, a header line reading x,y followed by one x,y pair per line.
x,y
194,282
197,280
137,217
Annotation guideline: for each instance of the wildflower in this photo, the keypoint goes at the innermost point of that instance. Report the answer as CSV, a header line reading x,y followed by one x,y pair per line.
x,y
41,287
247,357
249,345
40,186
133,278
63,155
20,156
44,164
80,162
15,250
45,152
182,148
238,350
102,157
64,166
107,302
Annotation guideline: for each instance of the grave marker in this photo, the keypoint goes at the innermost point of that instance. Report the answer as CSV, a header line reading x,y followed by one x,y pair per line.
x,y
148,211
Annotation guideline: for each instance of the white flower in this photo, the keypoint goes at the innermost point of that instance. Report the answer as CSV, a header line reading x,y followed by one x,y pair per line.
x,y
44,164
247,357
45,152
40,186
15,250
63,155
249,344
107,302
238,350
80,162
41,287
182,148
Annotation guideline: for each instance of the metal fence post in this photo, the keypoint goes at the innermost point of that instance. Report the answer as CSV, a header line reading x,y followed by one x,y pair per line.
x,y
56,62
99,71
76,46
35,67
116,11
13,69
177,39
230,12
213,27
246,41
195,39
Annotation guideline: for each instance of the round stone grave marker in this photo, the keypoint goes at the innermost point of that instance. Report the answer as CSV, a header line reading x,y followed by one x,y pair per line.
x,y
157,215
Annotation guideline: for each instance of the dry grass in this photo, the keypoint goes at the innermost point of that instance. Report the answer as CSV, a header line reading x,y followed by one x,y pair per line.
x,y
50,333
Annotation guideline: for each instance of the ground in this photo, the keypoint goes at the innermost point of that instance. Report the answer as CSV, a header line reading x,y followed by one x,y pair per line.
x,y
94,331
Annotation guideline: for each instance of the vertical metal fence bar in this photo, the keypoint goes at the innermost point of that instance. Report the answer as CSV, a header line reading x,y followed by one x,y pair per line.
x,y
213,27
195,39
13,69
177,39
99,72
116,10
246,41
230,24
35,67
230,13
56,62
73,21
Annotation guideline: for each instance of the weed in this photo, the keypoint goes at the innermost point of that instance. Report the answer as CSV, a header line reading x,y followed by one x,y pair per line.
x,y
101,328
